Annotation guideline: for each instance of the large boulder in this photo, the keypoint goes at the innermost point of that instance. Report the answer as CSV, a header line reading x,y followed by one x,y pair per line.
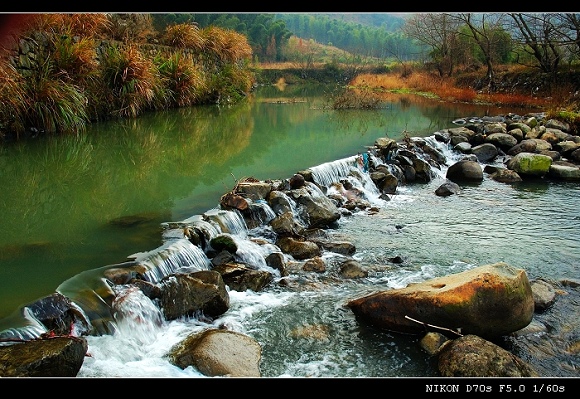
x,y
185,294
59,315
48,357
489,301
316,208
528,164
473,356
219,353
465,171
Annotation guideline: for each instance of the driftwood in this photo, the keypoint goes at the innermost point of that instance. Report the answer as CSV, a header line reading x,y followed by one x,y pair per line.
x,y
458,332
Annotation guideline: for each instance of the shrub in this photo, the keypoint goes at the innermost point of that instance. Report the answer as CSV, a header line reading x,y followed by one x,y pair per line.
x,y
12,98
182,80
53,105
184,36
131,79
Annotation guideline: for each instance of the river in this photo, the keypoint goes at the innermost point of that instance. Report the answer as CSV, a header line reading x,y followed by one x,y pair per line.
x,y
74,204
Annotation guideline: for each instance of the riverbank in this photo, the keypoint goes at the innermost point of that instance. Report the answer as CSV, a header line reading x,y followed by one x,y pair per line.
x,y
557,95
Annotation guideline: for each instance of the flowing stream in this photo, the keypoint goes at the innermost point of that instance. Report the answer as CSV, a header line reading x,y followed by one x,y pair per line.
x,y
174,166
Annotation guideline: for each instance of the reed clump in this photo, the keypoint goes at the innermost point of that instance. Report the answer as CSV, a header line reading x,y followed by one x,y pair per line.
x,y
89,67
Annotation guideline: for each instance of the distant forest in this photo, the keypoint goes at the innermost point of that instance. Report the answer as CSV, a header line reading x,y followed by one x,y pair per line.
x,y
376,35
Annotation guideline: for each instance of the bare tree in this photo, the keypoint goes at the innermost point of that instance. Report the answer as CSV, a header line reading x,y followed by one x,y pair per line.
x,y
538,36
438,31
568,28
485,31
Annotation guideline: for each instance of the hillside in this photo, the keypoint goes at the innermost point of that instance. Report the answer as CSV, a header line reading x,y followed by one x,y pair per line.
x,y
391,22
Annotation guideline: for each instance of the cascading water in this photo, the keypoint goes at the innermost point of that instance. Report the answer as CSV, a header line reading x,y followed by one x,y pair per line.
x,y
331,172
94,293
227,221
172,256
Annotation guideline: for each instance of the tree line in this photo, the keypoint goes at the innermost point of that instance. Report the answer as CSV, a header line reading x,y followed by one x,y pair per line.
x,y
540,40
448,41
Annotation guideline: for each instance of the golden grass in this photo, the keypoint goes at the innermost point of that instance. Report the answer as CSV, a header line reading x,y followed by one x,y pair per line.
x,y
183,80
431,85
85,25
184,36
132,79
226,45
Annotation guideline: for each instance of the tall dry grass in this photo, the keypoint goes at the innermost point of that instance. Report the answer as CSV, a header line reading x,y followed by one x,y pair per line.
x,y
12,98
81,24
226,45
69,83
132,79
184,36
182,78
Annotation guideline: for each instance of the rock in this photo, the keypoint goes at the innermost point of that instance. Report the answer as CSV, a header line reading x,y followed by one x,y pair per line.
x,y
529,164
544,295
241,278
59,315
224,242
297,181
448,188
432,342
465,171
505,176
318,209
489,301
352,269
472,356
502,141
185,294
297,248
527,145
217,352
316,264
276,261
48,357
286,225
564,172
232,200
485,152
254,190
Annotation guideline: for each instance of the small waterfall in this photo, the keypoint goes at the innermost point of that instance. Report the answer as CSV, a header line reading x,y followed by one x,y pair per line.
x,y
193,227
135,314
254,255
444,148
331,172
227,221
346,169
95,295
291,203
198,222
32,328
363,182
172,256
261,212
